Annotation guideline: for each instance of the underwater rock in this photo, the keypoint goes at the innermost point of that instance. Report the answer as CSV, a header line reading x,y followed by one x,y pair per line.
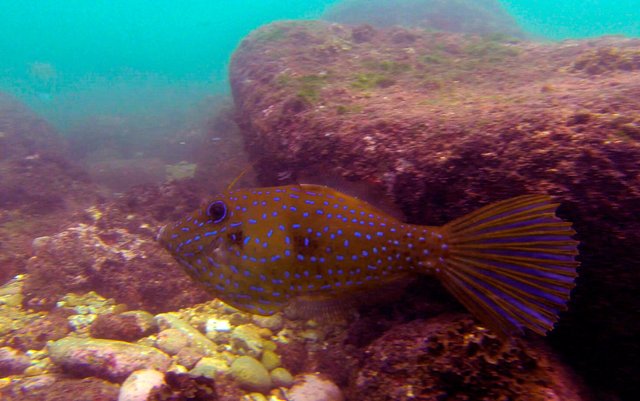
x,y
315,387
196,339
215,326
35,334
54,388
451,355
468,120
188,357
270,360
127,326
248,337
250,374
108,359
182,387
12,362
209,367
274,322
139,385
281,377
172,341
113,262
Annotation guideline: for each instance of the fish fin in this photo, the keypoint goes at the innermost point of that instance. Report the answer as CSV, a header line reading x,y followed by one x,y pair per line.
x,y
321,308
512,263
254,307
239,176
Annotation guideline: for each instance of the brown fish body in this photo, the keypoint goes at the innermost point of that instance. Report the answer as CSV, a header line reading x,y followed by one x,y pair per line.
x,y
258,249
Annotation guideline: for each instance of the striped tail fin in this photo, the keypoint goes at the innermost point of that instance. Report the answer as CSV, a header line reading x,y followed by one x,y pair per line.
x,y
512,263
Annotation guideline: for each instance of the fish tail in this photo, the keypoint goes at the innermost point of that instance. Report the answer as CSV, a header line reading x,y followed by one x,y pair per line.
x,y
512,263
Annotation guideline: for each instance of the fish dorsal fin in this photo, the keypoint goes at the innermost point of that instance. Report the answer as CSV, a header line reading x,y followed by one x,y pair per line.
x,y
239,176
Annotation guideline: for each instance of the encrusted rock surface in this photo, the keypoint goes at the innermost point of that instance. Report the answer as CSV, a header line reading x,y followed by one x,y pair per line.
x,y
123,262
55,388
107,359
443,123
451,357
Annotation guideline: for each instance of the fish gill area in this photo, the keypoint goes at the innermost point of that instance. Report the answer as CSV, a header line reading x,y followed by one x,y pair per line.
x,y
92,308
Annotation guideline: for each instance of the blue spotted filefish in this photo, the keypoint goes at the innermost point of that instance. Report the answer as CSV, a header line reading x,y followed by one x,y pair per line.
x,y
511,264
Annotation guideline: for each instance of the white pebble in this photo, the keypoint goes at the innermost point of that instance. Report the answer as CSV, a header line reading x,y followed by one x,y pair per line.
x,y
218,325
314,387
139,384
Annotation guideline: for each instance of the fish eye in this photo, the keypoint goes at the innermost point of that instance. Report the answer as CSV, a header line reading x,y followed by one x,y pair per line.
x,y
217,210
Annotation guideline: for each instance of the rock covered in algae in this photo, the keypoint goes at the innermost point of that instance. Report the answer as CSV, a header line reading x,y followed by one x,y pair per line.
x,y
250,374
54,388
181,330
447,123
126,326
451,355
107,359
112,258
209,367
281,377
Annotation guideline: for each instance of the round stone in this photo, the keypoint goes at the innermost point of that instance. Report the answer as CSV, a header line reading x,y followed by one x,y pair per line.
x,y
139,384
270,360
250,374
172,341
281,377
314,387
209,367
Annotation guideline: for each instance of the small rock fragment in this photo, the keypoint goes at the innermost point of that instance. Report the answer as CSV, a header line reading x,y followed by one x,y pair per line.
x,y
248,337
274,322
37,382
188,357
139,385
12,362
217,325
250,374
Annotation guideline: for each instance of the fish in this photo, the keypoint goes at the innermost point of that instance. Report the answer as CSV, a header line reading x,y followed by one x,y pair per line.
x,y
512,263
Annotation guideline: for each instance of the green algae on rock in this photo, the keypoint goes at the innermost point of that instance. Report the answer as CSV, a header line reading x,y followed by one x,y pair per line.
x,y
281,377
250,374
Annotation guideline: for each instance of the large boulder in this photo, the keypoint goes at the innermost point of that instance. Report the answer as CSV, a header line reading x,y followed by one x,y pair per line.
x,y
443,123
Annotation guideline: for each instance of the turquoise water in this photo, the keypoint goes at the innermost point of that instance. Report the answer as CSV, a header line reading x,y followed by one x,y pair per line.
x,y
73,58
572,19
78,58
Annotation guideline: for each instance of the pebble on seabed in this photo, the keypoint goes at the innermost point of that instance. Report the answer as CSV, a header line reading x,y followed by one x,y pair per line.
x,y
139,384
314,387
